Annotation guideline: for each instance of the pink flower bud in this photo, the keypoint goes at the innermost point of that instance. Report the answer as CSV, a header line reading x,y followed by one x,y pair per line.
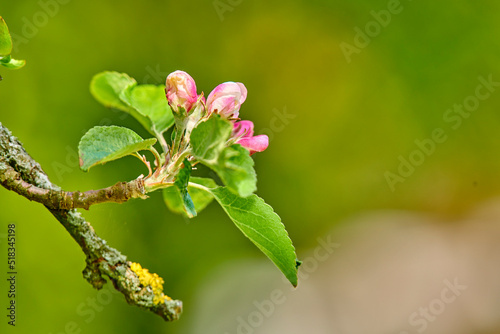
x,y
181,91
242,129
243,132
226,99
254,144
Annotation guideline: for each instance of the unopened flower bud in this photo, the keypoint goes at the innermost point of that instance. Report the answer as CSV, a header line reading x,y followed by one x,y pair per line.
x,y
181,91
226,99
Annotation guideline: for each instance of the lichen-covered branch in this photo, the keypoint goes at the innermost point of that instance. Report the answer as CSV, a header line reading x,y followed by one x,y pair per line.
x,y
20,173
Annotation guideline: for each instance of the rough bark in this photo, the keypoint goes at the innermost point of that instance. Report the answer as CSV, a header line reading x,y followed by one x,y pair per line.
x,y
20,173
52,199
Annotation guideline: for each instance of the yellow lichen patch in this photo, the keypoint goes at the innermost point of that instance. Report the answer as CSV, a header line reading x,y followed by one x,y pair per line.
x,y
153,280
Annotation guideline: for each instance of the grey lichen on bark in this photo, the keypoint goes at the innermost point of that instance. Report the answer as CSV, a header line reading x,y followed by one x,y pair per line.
x,y
19,172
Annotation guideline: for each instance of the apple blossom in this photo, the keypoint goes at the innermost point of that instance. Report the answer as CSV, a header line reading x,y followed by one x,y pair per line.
x,y
226,99
181,91
243,133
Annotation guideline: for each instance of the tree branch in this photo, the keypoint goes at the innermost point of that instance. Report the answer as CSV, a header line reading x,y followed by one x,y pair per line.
x,y
20,173
118,193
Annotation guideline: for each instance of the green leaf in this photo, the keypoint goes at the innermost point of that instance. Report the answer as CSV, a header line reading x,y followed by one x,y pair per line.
x,y
150,102
6,48
200,197
107,86
259,223
209,138
233,164
11,63
256,219
106,143
146,103
235,169
5,39
181,182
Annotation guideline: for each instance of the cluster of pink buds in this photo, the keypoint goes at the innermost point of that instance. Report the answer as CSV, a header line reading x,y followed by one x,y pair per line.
x,y
225,100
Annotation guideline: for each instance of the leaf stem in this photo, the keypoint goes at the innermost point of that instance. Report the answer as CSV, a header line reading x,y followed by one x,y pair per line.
x,y
172,169
177,140
199,186
147,163
157,160
153,186
163,142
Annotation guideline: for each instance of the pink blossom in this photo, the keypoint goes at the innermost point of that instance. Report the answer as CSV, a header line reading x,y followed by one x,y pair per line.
x,y
181,91
243,132
242,129
226,99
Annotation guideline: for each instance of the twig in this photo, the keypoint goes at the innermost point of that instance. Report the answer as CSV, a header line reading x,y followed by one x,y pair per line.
x,y
20,173
118,193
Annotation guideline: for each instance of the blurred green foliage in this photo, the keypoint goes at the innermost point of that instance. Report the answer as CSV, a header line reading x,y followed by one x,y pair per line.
x,y
335,128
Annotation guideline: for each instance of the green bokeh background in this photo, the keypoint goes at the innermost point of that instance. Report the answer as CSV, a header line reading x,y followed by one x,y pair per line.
x,y
349,124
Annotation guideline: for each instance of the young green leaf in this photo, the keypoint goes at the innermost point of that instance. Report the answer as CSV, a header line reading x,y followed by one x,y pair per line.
x,y
6,48
233,164
209,138
107,86
5,39
106,143
259,223
150,102
235,169
200,197
11,63
181,182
